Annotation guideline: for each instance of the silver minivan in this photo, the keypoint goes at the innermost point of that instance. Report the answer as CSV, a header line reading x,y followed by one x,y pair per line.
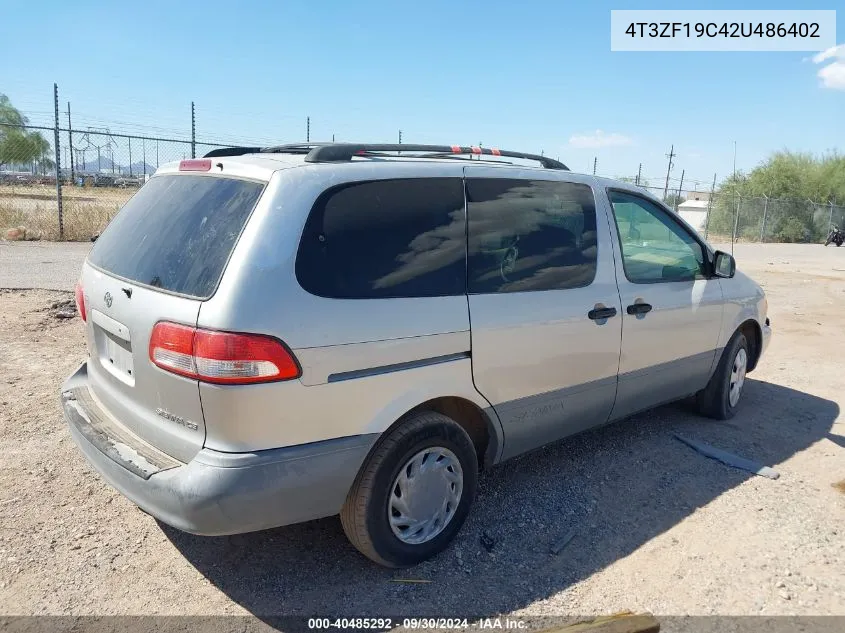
x,y
277,335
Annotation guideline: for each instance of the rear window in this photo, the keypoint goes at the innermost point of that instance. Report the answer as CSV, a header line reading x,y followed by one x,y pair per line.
x,y
386,238
177,232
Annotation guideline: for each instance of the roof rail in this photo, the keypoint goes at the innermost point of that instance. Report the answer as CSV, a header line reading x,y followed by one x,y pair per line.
x,y
290,148
345,151
232,151
335,152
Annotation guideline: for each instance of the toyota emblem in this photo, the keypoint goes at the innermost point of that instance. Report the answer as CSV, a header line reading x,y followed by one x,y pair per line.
x,y
108,299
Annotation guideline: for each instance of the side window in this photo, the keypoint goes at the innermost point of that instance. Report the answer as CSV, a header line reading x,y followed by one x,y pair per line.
x,y
655,248
386,238
530,235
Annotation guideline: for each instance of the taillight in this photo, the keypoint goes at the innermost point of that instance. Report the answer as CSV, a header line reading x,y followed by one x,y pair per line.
x,y
224,358
80,301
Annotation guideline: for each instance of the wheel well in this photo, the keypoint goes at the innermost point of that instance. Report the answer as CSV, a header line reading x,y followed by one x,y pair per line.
x,y
471,418
751,330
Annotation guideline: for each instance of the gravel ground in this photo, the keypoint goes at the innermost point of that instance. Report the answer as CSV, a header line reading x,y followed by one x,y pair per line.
x,y
49,265
657,526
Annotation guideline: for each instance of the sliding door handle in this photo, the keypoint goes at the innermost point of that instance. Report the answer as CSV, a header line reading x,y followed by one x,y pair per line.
x,y
638,308
597,314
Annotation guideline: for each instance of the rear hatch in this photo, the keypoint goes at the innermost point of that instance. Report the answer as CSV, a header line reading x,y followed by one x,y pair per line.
x,y
161,256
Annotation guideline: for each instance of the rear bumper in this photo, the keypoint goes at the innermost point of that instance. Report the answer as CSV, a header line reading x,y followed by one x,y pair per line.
x,y
215,493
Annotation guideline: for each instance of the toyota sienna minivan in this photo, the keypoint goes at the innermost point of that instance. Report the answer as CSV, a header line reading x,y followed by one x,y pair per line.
x,y
287,333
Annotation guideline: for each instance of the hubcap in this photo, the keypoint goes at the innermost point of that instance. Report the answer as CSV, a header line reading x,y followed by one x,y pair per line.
x,y
738,376
425,495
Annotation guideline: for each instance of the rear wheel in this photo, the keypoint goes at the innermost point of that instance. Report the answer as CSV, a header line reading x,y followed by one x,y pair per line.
x,y
413,493
720,398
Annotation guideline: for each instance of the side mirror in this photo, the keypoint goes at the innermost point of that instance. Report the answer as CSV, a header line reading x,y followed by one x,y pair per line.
x,y
724,265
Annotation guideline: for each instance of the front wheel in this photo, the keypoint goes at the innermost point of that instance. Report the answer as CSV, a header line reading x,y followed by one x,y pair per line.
x,y
413,492
720,398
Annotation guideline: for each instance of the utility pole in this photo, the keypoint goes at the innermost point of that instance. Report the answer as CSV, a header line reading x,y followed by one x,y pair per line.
x,y
400,137
58,161
680,187
639,174
709,206
70,144
308,129
332,138
670,156
595,164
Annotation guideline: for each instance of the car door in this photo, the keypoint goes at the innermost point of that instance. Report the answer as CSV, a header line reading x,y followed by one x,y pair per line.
x,y
671,305
544,307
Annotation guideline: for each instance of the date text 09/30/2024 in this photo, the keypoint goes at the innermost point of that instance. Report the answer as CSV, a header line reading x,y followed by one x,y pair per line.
x,y
379,624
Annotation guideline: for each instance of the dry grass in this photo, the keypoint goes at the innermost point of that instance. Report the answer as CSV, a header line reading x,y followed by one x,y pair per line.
x,y
81,220
86,210
840,486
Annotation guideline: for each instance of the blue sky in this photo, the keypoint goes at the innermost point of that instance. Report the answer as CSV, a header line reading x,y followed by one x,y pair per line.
x,y
519,75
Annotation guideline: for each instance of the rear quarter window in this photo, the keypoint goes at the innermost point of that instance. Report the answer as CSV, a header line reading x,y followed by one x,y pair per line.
x,y
386,239
177,232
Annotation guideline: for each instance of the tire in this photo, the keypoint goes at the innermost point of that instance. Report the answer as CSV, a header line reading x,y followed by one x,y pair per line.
x,y
715,399
365,513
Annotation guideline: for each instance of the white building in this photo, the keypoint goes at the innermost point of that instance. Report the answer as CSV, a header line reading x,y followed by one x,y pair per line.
x,y
695,213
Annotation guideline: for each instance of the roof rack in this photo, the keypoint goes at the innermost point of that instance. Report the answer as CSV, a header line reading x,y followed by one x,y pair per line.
x,y
335,152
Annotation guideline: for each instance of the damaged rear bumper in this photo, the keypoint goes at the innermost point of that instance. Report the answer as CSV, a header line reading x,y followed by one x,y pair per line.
x,y
215,493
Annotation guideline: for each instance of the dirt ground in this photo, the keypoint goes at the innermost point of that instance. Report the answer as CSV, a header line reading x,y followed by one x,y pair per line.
x,y
657,526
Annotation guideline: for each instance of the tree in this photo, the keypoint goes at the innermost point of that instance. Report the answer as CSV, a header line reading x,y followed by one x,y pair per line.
x,y
19,146
672,200
633,180
799,186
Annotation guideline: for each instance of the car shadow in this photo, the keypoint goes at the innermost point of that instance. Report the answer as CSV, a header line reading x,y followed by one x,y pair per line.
x,y
618,487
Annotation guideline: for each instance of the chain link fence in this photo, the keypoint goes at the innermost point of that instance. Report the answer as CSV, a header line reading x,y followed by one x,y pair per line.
x,y
725,217
99,170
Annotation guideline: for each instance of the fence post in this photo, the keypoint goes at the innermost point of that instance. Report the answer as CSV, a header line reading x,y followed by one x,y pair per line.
x,y
680,186
70,144
193,131
830,218
765,214
58,161
736,221
709,206
130,157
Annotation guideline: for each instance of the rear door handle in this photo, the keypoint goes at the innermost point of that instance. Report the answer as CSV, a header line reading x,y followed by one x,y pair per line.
x,y
638,308
597,314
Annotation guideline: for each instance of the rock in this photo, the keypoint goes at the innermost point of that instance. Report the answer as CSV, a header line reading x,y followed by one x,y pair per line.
x,y
780,584
16,234
785,594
